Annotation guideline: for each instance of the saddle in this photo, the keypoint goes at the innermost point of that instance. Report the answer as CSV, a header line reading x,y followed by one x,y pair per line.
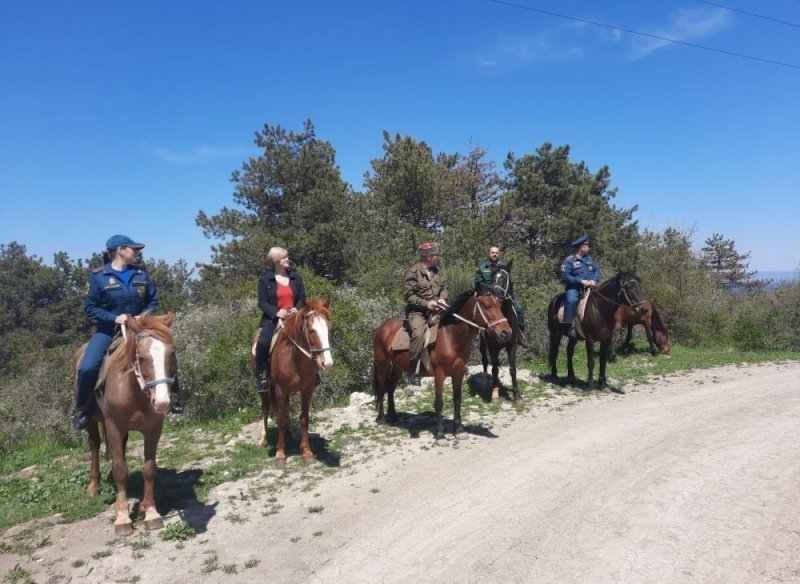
x,y
402,339
578,313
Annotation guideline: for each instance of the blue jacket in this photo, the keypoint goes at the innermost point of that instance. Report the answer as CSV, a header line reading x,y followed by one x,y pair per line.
x,y
574,269
107,296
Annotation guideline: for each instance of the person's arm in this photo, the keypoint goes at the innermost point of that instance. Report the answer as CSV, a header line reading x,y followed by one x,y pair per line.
x,y
409,290
152,294
566,273
93,302
269,309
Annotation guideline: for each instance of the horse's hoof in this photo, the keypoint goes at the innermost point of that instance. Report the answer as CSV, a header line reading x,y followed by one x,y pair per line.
x,y
572,381
280,463
123,529
518,398
458,429
92,490
151,524
309,459
380,421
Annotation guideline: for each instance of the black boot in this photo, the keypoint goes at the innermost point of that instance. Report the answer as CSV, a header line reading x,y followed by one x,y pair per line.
x,y
81,418
572,332
262,377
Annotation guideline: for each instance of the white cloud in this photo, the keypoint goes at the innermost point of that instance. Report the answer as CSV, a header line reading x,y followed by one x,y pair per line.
x,y
199,154
509,52
687,25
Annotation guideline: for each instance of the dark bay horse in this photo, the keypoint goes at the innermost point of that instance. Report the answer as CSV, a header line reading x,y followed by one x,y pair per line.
x,y
470,313
503,289
654,327
598,324
134,394
301,349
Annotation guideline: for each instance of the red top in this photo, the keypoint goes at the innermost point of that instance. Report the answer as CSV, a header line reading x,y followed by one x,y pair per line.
x,y
285,297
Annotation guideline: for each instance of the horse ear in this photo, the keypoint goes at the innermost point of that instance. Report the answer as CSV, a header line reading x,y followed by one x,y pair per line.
x,y
168,318
326,303
508,265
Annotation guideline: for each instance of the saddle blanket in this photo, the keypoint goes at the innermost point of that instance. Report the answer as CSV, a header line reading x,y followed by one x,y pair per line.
x,y
401,339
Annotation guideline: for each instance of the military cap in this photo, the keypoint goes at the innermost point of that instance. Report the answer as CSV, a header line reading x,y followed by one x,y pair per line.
x,y
428,249
580,241
116,241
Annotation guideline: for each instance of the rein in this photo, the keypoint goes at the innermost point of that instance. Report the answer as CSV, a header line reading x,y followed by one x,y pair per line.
x,y
622,292
477,308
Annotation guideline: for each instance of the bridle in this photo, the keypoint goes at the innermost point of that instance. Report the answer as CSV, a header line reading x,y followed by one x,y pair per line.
x,y
503,289
145,386
311,351
622,292
476,309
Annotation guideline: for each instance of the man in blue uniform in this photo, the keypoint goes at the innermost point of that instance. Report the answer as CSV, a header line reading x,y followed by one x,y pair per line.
x,y
113,292
578,271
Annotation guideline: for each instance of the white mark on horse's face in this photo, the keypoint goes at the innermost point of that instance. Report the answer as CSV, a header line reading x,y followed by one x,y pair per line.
x,y
320,326
158,356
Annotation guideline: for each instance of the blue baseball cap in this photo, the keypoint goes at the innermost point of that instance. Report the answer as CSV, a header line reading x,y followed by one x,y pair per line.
x,y
580,241
116,241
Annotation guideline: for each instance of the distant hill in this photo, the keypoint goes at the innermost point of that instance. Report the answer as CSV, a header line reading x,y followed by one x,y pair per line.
x,y
777,278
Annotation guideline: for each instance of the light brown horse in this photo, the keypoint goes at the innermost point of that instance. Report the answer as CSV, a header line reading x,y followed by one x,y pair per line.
x,y
470,313
133,394
654,327
301,349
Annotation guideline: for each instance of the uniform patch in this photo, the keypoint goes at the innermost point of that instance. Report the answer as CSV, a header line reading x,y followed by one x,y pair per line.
x,y
576,264
111,281
142,291
86,289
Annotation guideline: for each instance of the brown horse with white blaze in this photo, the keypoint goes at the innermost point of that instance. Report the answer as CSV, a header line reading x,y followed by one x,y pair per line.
x,y
133,394
301,349
460,324
646,315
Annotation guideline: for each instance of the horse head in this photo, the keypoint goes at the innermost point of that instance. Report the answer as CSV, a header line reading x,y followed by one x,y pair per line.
x,y
317,330
501,280
487,313
629,291
150,347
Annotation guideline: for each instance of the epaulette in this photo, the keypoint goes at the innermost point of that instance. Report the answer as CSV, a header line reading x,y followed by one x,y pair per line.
x,y
570,257
135,267
97,270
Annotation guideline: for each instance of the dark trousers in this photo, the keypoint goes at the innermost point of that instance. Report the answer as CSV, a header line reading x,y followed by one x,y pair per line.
x,y
262,345
573,296
89,367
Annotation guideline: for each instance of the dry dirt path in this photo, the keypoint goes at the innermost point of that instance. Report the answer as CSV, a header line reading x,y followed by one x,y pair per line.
x,y
691,479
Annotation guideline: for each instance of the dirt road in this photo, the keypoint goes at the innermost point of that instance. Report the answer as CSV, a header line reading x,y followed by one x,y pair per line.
x,y
694,478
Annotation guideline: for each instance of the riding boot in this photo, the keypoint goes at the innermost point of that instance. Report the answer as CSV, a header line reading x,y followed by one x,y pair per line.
x,y
521,339
413,378
572,333
82,416
263,378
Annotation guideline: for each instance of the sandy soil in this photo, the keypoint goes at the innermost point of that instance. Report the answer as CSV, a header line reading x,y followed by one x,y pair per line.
x,y
693,478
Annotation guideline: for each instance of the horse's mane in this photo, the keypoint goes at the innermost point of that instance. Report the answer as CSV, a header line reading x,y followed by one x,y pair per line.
x,y
458,304
124,353
655,319
613,281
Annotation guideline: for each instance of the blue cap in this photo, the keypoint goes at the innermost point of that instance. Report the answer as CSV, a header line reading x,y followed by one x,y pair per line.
x,y
580,241
116,241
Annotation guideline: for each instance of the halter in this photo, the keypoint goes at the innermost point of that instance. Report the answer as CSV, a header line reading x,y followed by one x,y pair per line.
x,y
311,351
505,289
477,308
137,369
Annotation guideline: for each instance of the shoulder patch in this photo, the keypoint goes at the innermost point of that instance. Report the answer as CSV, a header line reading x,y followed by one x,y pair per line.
x,y
97,270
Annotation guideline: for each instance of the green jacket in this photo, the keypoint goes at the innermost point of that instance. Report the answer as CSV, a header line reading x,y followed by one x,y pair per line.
x,y
483,275
418,288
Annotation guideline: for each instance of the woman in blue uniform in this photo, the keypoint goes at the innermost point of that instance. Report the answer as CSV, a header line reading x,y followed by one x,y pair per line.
x,y
113,292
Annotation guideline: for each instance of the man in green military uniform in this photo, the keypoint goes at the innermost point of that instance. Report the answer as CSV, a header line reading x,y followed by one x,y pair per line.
x,y
425,291
483,276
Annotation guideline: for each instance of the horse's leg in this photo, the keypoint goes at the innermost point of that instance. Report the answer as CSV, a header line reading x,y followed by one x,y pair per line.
x,y
570,368
494,353
393,380
94,455
438,401
484,359
305,444
512,369
605,348
590,363
629,336
119,468
379,387
555,344
265,405
612,353
648,329
152,520
282,419
458,380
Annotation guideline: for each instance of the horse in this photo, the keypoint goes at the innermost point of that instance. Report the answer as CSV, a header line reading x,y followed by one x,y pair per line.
x,y
301,348
653,326
133,393
598,324
472,311
502,288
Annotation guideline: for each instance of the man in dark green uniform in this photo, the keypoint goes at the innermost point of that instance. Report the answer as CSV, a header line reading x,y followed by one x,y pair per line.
x,y
483,276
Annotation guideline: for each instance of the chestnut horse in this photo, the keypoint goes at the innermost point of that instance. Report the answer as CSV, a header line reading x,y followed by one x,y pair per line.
x,y
654,327
301,349
133,394
598,324
502,288
470,313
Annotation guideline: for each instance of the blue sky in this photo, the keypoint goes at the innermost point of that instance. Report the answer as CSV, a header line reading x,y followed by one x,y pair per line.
x,y
129,117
